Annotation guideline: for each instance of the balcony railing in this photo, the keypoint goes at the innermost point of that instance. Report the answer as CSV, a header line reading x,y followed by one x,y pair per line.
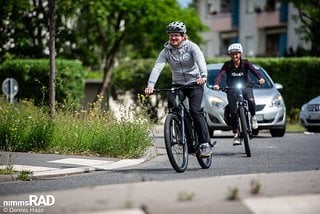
x,y
222,22
268,19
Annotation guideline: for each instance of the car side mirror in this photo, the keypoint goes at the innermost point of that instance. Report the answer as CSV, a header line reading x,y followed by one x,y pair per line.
x,y
278,86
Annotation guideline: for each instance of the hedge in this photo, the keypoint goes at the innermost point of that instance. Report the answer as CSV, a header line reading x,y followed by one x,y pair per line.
x,y
33,75
300,77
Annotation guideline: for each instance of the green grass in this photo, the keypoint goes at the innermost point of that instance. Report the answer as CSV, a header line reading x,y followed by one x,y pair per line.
x,y
25,127
296,127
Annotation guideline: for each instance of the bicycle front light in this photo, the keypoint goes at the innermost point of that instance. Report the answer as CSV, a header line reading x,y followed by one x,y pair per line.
x,y
215,102
239,85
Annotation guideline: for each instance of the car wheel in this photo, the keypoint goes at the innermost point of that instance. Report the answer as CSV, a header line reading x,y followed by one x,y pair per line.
x,y
313,129
255,132
211,131
278,132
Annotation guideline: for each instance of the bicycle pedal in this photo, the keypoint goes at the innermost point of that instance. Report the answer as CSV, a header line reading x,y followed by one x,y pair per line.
x,y
212,144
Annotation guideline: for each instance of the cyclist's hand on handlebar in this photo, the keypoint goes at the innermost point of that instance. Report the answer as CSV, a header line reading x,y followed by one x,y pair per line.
x,y
201,80
216,87
148,90
261,81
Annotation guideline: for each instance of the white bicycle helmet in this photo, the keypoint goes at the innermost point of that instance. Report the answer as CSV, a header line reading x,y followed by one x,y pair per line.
x,y
176,27
235,47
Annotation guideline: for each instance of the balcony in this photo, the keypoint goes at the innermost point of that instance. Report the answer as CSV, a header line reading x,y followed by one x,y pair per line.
x,y
268,19
221,22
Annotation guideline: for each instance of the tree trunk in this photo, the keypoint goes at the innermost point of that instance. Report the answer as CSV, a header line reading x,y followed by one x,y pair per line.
x,y
52,86
107,71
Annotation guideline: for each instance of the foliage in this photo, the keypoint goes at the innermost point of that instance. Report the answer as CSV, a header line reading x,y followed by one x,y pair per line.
x,y
24,176
25,127
233,193
92,30
298,75
95,31
132,75
32,76
99,131
309,15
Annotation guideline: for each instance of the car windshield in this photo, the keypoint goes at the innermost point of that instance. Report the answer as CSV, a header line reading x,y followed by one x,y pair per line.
x,y
212,74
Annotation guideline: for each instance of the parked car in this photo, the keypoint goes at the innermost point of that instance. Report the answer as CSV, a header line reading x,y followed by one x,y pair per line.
x,y
270,106
310,114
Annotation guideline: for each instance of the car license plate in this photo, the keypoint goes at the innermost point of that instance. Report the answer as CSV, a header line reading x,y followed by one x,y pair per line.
x,y
314,116
259,117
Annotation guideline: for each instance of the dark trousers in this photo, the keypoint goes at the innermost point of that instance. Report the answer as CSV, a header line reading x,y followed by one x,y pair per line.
x,y
195,94
232,100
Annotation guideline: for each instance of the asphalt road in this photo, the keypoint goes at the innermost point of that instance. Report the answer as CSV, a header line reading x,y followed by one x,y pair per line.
x,y
294,152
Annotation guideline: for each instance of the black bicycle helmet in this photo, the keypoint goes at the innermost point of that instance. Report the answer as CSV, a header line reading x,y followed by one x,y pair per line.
x,y
176,27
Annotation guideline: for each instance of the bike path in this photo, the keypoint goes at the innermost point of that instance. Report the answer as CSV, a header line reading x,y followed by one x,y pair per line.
x,y
291,192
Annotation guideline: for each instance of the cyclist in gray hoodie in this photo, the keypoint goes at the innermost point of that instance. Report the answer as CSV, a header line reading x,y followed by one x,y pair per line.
x,y
188,67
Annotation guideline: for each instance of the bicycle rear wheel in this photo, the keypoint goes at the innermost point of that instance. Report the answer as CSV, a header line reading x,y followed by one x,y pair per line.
x,y
244,130
177,150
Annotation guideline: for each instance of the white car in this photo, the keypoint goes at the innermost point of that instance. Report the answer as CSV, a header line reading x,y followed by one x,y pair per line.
x,y
310,114
270,106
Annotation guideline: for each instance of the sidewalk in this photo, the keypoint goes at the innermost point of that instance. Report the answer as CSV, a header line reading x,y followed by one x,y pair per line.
x,y
281,193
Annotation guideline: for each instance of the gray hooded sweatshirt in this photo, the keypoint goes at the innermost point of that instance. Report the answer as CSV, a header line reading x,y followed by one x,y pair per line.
x,y
186,62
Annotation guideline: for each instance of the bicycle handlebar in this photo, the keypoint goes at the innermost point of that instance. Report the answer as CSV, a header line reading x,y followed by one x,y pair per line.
x,y
173,88
250,84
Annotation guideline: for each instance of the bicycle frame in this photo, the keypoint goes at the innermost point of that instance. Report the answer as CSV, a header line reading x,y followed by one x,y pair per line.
x,y
179,134
243,117
181,111
242,102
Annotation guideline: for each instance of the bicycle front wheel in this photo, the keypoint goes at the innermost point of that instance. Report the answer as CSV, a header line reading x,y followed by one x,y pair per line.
x,y
205,162
177,149
244,129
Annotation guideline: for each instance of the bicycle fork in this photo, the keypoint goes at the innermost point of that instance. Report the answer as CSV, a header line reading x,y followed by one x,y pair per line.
x,y
183,127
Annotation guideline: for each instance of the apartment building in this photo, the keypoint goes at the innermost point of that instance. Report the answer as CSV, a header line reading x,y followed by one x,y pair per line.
x,y
263,27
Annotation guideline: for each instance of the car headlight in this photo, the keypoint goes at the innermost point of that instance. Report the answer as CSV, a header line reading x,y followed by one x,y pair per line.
x,y
215,102
304,107
277,101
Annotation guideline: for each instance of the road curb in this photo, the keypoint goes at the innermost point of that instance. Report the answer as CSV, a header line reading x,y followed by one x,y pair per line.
x,y
122,163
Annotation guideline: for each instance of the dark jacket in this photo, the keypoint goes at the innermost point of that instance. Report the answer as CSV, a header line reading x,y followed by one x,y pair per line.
x,y
237,74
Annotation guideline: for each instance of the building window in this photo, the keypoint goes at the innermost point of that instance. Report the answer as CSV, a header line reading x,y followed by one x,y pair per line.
x,y
272,45
210,9
250,6
248,46
225,6
272,5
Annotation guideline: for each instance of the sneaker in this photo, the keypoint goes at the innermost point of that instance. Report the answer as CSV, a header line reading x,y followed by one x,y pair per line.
x,y
205,150
254,122
236,140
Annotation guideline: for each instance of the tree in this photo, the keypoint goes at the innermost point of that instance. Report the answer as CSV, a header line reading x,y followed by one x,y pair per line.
x,y
97,32
309,15
52,81
107,29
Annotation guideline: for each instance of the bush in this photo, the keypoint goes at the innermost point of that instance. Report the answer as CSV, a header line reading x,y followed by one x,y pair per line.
x,y
299,77
25,127
33,79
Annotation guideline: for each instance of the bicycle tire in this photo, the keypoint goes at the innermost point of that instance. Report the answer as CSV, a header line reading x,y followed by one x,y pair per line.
x,y
177,151
204,162
244,129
